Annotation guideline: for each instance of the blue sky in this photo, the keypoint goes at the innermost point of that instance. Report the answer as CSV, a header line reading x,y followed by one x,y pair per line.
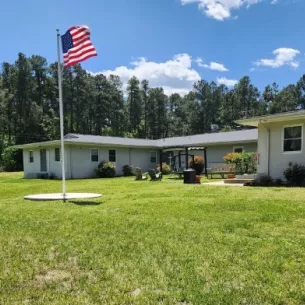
x,y
171,42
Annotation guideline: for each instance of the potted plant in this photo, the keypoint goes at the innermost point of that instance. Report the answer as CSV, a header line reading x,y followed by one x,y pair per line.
x,y
197,164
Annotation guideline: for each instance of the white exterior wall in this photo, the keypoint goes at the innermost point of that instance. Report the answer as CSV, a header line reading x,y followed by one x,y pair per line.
x,y
32,170
82,166
278,160
79,165
215,154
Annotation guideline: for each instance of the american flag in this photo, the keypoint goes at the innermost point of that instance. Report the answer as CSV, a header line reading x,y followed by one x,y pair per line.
x,y
76,45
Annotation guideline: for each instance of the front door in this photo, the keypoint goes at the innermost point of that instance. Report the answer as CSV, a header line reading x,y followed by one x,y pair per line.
x,y
43,160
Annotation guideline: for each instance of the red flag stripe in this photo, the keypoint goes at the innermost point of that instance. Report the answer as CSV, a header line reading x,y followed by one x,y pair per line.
x,y
80,53
84,57
79,47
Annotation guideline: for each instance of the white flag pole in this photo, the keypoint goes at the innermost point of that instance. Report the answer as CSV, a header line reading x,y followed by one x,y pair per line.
x,y
61,115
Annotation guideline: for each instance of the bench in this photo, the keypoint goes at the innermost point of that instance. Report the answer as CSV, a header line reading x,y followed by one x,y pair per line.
x,y
221,169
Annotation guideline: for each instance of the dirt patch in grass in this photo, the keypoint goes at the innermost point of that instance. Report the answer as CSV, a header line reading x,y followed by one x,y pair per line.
x,y
52,276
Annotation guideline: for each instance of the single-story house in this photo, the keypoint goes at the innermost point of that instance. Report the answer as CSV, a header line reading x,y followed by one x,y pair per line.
x,y
280,141
83,153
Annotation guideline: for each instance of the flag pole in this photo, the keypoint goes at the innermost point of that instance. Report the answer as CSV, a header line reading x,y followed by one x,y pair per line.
x,y
61,115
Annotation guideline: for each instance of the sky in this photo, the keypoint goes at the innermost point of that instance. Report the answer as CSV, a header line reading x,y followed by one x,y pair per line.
x,y
172,43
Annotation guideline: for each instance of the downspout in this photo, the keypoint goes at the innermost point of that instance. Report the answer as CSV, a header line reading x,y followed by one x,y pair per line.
x,y
268,160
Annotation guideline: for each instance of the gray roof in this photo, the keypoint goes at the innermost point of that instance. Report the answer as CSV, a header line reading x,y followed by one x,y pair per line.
x,y
209,139
89,139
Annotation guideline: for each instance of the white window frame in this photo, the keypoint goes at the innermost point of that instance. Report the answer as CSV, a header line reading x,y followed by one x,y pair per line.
x,y
55,154
98,157
31,151
302,139
236,147
153,152
109,155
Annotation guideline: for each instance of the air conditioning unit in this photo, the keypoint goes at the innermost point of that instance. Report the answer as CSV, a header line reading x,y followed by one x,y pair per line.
x,y
214,128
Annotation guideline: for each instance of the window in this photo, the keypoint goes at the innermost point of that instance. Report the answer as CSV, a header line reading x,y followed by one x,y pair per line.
x,y
153,157
31,156
112,156
57,154
94,155
292,139
238,149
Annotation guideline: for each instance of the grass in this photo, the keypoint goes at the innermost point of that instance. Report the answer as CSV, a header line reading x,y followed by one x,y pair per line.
x,y
151,243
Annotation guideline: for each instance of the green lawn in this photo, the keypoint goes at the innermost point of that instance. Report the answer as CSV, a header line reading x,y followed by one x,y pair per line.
x,y
151,243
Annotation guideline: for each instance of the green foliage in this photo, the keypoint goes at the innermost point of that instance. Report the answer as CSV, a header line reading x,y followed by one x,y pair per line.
x,y
295,174
166,169
106,170
127,170
244,163
11,160
197,165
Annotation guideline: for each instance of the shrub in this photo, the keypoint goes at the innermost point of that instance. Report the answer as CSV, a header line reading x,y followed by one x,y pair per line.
x,y
106,170
263,181
197,164
266,181
11,160
127,170
166,169
295,174
244,163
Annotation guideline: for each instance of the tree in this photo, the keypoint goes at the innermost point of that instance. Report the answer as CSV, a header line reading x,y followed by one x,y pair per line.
x,y
134,103
145,92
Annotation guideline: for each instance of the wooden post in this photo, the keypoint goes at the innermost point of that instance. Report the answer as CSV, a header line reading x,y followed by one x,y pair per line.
x,y
179,157
205,162
186,158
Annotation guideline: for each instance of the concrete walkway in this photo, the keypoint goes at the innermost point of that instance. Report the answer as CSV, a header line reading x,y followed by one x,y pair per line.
x,y
221,183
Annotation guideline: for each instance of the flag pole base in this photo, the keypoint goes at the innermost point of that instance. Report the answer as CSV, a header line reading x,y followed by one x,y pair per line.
x,y
61,196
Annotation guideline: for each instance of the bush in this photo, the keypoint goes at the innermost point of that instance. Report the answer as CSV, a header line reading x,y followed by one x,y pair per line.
x,y
295,174
244,163
127,170
106,170
266,181
263,181
166,169
197,165
11,160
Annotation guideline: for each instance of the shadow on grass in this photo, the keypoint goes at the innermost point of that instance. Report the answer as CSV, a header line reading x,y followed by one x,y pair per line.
x,y
84,203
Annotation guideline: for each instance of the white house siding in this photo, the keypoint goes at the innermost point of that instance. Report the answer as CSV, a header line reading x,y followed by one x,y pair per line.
x,y
263,150
141,158
278,161
216,153
82,166
32,170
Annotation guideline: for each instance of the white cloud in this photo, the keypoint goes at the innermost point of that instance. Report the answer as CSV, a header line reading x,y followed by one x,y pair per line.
x,y
274,1
212,66
220,9
227,82
282,57
175,75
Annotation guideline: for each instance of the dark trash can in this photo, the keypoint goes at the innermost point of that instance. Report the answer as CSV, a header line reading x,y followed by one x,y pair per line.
x,y
189,175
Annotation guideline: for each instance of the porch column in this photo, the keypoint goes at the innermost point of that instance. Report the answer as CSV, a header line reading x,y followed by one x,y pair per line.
x,y
160,159
205,162
179,158
186,158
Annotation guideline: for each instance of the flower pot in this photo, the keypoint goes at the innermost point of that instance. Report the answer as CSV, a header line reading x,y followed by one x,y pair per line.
x,y
198,179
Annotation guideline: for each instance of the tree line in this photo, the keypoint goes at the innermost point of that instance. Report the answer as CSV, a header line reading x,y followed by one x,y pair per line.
x,y
98,105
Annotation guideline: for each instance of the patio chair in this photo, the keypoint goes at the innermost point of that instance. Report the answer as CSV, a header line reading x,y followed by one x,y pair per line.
x,y
154,176
139,175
